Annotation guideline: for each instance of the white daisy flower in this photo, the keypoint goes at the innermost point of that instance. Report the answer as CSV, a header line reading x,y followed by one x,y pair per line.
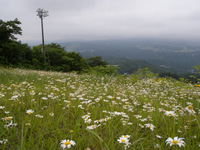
x,y
51,114
175,141
156,146
93,126
7,118
124,139
150,126
29,111
67,143
190,109
170,113
88,120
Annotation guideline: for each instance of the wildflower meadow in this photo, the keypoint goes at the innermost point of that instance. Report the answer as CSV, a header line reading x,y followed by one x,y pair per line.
x,y
54,111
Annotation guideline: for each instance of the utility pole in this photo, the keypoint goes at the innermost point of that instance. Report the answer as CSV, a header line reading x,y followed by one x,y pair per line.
x,y
42,13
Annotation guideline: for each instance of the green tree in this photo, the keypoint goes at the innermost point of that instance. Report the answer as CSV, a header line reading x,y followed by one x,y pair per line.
x,y
58,59
8,30
16,53
96,61
55,54
37,57
13,52
77,62
108,70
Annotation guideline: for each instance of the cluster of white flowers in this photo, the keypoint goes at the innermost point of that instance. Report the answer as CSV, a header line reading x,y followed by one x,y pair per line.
x,y
4,141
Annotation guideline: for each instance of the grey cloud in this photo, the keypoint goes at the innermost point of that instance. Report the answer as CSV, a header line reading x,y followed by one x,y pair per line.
x,y
90,19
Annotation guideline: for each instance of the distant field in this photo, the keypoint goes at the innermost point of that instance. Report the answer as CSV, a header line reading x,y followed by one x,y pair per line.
x,y
49,110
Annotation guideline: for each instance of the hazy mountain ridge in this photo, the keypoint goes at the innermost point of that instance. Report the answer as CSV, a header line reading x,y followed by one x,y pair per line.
x,y
167,55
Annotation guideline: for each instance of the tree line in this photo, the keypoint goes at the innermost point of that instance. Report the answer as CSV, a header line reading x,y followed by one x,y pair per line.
x,y
13,53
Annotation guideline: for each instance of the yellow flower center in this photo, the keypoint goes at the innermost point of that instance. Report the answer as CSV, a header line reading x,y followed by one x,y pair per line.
x,y
71,131
67,143
190,107
8,118
123,140
157,146
29,112
170,114
175,142
27,124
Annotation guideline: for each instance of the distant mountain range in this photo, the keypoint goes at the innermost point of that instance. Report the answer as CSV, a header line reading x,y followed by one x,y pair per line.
x,y
162,55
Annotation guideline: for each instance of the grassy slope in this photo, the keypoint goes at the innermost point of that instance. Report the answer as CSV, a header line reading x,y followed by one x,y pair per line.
x,y
117,105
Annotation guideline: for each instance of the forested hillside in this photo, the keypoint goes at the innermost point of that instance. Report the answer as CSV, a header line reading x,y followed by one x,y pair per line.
x,y
176,56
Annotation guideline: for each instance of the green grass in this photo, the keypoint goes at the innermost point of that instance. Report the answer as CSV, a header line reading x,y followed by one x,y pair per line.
x,y
111,102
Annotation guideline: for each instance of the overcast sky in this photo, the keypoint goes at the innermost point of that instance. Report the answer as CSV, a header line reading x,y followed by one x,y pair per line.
x,y
70,20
